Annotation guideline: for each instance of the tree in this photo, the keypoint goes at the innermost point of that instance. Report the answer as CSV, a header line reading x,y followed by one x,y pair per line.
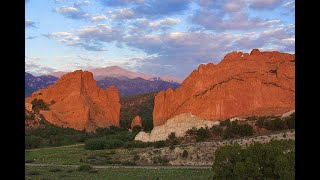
x,y
38,104
202,134
185,153
273,160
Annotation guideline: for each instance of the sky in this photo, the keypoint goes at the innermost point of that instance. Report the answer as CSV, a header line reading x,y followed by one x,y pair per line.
x,y
159,37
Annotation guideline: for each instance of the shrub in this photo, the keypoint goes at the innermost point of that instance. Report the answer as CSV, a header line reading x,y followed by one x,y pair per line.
x,y
113,143
70,170
172,147
34,173
202,134
136,128
276,124
159,144
95,144
172,136
226,122
55,170
217,130
128,163
136,157
38,104
137,144
160,160
184,153
235,129
103,143
192,131
29,161
93,171
273,160
290,121
33,142
84,168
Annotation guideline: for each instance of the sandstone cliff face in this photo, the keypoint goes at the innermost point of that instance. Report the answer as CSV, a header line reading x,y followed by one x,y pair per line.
x,y
28,106
78,103
137,121
241,85
179,124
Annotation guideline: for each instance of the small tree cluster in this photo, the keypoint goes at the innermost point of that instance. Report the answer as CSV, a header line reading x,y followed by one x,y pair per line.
x,y
39,104
273,160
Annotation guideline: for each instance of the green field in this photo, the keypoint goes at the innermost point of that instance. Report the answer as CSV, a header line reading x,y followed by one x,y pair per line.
x,y
118,174
60,155
75,155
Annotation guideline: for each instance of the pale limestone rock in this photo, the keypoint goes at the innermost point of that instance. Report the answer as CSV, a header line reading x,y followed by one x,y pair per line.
x,y
178,124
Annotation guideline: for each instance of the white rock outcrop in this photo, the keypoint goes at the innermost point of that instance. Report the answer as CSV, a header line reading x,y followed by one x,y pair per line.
x,y
288,113
178,124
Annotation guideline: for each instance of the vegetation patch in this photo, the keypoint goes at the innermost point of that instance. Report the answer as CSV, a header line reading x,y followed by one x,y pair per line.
x,y
273,160
85,168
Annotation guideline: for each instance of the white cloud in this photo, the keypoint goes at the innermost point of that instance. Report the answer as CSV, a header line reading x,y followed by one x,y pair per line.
x,y
98,18
72,12
264,4
121,14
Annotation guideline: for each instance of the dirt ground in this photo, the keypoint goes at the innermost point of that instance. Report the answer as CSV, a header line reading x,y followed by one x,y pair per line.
x,y
201,154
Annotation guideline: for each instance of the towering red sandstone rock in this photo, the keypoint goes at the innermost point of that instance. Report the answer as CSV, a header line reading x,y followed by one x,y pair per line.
x,y
78,103
241,85
137,121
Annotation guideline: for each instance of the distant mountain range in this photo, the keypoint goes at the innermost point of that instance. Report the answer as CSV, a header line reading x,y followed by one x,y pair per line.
x,y
127,82
127,87
33,83
119,73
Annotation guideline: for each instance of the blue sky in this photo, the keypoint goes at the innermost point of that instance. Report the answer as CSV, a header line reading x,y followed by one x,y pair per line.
x,y
167,37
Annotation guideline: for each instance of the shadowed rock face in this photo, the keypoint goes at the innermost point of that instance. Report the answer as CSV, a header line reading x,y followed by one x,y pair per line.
x,y
78,103
137,121
241,85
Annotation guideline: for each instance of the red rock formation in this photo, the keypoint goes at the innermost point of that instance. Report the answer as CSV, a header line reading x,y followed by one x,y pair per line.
x,y
78,103
241,85
137,121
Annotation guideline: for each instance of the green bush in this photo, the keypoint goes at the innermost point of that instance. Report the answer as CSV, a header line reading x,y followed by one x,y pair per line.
x,y
273,160
29,161
276,124
159,144
160,160
235,129
184,153
226,122
202,134
136,128
70,170
136,157
95,144
172,147
137,144
84,168
34,173
93,171
128,163
55,170
38,104
103,143
291,121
